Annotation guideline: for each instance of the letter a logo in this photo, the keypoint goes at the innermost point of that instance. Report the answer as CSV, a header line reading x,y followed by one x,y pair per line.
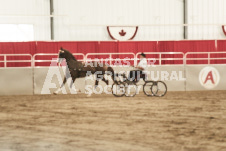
x,y
209,77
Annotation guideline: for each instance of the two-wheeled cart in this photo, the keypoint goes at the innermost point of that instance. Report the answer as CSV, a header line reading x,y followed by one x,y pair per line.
x,y
124,87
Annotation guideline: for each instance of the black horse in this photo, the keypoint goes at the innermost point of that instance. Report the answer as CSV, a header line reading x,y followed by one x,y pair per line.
x,y
78,69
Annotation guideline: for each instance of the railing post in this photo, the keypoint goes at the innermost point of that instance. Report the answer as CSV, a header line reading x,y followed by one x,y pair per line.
x,y
185,59
160,59
110,59
5,62
32,61
208,58
134,59
84,58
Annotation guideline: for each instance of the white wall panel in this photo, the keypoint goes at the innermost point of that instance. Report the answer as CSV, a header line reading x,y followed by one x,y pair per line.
x,y
211,13
27,12
80,19
80,13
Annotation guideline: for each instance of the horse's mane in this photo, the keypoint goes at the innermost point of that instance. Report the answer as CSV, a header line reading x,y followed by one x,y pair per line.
x,y
71,55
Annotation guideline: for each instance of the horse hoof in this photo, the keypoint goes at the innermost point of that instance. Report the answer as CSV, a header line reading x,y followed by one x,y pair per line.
x,y
54,93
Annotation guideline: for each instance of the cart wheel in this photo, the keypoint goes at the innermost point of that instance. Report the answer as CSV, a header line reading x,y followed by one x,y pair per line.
x,y
159,88
147,88
118,90
130,89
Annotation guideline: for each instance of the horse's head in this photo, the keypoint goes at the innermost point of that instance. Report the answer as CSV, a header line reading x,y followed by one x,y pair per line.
x,y
65,54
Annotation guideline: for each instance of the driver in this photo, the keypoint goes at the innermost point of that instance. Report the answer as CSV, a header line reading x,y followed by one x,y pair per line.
x,y
135,75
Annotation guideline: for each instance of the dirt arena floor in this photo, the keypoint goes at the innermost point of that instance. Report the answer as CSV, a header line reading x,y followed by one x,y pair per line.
x,y
180,121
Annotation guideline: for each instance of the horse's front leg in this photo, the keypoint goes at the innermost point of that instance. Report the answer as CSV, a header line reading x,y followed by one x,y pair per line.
x,y
72,87
59,89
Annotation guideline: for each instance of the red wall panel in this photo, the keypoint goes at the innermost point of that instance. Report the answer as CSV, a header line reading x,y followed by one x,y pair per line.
x,y
187,46
47,47
112,46
137,46
17,48
221,45
106,47
87,47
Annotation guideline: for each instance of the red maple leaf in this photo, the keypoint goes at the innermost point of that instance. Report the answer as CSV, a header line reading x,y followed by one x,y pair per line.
x,y
122,33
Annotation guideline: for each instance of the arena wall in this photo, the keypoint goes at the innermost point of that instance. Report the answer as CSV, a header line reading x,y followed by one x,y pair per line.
x,y
16,81
194,81
44,80
47,80
28,80
41,76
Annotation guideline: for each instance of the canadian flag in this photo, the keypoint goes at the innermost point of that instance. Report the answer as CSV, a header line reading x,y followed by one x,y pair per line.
x,y
122,32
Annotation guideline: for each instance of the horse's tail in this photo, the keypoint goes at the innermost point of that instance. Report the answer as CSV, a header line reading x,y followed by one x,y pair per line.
x,y
111,72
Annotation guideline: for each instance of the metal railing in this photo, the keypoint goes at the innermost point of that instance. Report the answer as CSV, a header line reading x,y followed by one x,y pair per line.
x,y
188,57
5,60
110,57
134,58
160,57
52,54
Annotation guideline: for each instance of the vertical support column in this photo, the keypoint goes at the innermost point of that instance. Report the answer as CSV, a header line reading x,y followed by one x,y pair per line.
x,y
185,19
51,20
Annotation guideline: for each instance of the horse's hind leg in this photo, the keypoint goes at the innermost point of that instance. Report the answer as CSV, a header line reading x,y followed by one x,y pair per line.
x,y
106,81
96,83
100,78
58,90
